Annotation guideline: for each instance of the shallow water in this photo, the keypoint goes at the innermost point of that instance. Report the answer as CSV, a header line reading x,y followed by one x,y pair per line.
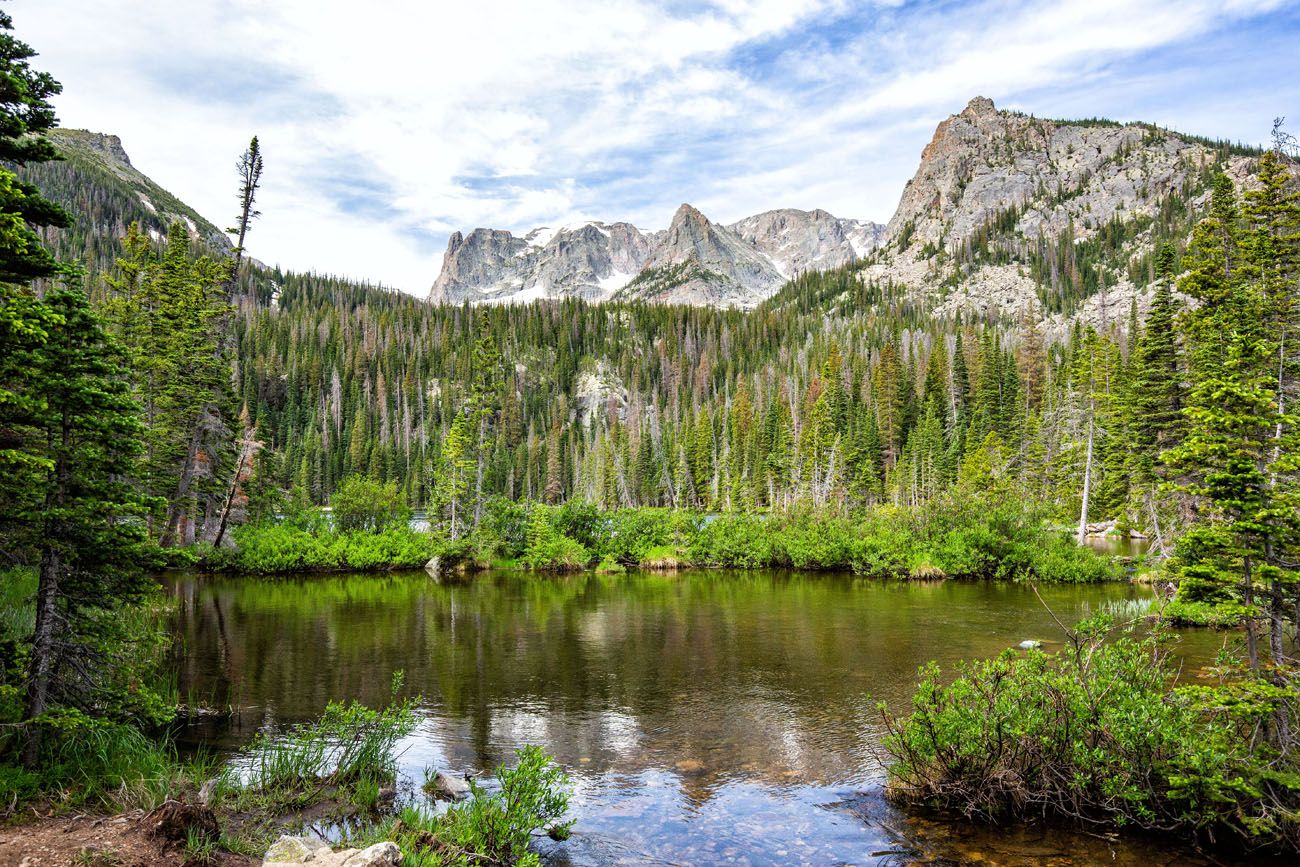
x,y
704,717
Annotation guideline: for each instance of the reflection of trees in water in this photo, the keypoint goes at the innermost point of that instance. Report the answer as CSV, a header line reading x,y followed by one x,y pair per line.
x,y
709,675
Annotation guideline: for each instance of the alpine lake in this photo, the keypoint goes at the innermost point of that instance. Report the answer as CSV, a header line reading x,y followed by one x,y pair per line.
x,y
703,717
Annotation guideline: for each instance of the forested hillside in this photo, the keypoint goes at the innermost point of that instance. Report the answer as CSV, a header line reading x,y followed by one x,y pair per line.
x,y
846,388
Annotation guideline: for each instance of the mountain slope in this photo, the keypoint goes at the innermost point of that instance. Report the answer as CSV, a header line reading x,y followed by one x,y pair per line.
x,y
801,241
694,261
700,262
104,193
588,261
1011,215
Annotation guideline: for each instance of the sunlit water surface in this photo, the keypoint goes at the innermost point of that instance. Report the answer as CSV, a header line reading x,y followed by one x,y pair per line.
x,y
704,717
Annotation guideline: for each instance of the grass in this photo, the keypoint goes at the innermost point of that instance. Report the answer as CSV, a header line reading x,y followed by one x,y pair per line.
x,y
102,765
17,614
347,755
492,827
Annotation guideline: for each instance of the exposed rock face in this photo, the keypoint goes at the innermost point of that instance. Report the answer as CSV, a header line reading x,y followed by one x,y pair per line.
x,y
591,261
597,390
800,241
983,161
700,262
1022,180
108,145
102,161
695,261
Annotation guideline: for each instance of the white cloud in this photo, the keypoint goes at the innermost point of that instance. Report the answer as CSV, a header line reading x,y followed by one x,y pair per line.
x,y
401,118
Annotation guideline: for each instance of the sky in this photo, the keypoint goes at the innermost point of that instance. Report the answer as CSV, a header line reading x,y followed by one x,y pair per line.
x,y
389,124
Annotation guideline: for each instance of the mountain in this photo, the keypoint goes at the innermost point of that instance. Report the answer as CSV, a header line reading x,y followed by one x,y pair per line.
x,y
592,261
96,182
694,261
801,241
700,262
1009,215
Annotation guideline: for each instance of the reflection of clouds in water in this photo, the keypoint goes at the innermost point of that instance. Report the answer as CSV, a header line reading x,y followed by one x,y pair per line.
x,y
622,732
702,717
519,726
594,629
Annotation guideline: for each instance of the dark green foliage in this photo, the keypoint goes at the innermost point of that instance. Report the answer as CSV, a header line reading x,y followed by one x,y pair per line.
x,y
361,504
169,311
286,547
1097,733
73,510
494,826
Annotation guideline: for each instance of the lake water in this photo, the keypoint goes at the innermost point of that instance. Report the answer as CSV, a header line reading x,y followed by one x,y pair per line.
x,y
704,717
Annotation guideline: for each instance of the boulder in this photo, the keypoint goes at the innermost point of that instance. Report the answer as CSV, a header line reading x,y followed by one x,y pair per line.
x,y
447,787
1029,644
378,855
310,850
293,850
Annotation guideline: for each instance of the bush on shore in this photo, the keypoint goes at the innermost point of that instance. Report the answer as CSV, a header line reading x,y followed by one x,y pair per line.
x,y
288,547
956,538
492,827
1099,734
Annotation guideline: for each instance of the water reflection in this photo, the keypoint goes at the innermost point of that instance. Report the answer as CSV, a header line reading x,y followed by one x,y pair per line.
x,y
704,716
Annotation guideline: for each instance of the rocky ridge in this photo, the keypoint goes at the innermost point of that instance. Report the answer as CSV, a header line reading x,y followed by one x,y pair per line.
x,y
1014,182
693,261
98,161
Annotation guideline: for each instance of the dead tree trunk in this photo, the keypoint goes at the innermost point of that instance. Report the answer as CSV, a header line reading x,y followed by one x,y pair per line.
x,y
1087,481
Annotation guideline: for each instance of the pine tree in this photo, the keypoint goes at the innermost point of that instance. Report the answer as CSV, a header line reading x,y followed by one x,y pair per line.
x,y
78,513
250,167
453,475
1246,524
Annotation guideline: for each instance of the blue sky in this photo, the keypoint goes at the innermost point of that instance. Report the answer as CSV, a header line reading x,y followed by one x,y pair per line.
x,y
388,125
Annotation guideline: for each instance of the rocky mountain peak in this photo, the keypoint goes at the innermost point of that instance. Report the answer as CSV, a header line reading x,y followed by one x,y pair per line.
x,y
688,213
106,144
994,186
693,261
979,106
98,160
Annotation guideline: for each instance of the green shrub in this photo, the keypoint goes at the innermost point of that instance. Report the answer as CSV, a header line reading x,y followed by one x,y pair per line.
x,y
493,827
734,540
547,549
818,542
363,504
1099,733
1189,612
610,566
1061,561
350,745
281,548
582,522
504,530
558,554
633,533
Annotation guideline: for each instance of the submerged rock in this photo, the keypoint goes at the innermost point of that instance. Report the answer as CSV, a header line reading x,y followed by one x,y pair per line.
x,y
447,787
